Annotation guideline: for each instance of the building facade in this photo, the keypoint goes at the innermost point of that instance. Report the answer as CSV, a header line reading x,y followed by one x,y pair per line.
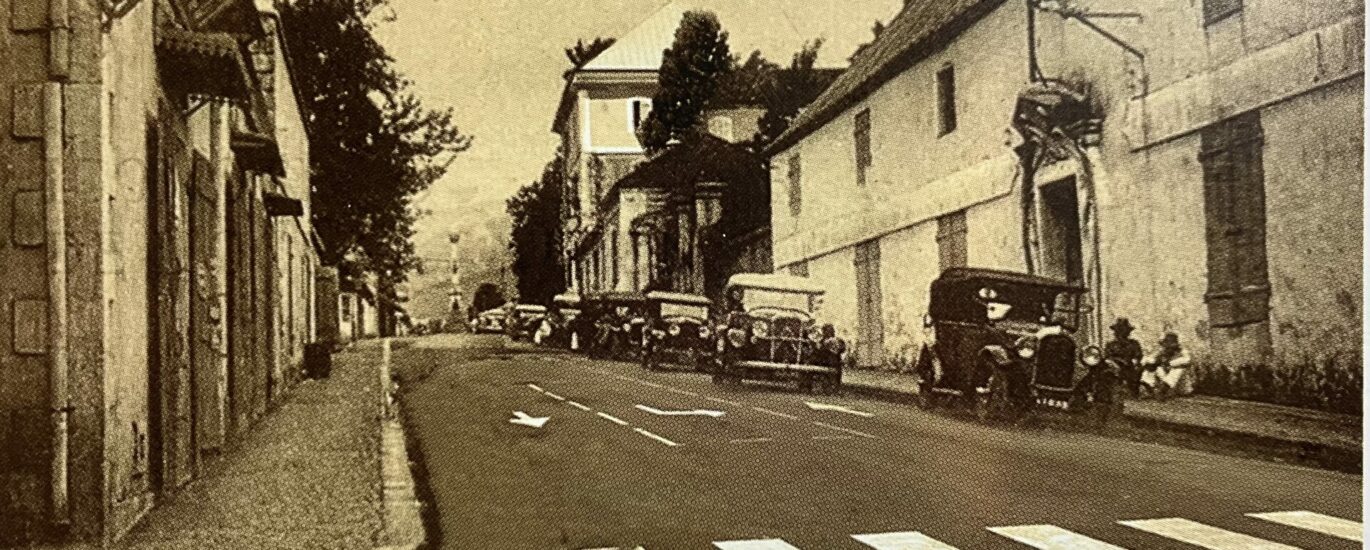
x,y
1197,166
153,161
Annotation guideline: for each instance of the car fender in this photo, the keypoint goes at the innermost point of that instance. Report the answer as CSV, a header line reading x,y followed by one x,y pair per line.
x,y
997,356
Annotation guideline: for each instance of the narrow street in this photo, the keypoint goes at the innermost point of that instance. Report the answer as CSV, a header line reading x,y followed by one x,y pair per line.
x,y
626,454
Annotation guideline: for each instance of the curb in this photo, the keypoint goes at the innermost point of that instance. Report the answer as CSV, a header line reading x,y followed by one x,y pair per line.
x,y
400,506
1330,457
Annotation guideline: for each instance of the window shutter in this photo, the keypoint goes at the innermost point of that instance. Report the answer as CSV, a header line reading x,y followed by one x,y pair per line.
x,y
1234,207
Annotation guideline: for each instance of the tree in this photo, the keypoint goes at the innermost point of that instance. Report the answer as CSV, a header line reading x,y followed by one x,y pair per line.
x,y
535,236
688,79
747,84
877,29
373,145
488,296
583,53
790,92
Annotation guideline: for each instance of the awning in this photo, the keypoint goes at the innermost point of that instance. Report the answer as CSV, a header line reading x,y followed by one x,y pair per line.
x,y
203,63
257,152
281,205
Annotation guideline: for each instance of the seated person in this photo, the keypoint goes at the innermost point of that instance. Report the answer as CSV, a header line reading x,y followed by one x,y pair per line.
x,y
1164,372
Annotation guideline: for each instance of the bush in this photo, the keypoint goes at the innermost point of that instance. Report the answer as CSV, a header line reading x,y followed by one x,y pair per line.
x,y
1331,383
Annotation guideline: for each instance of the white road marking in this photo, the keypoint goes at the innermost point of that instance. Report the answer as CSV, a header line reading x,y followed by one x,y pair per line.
x,y
553,396
847,430
1051,537
649,384
682,392
723,401
658,438
1205,536
907,540
757,544
775,413
753,440
611,418
838,408
523,419
536,387
579,406
1313,521
695,412
831,437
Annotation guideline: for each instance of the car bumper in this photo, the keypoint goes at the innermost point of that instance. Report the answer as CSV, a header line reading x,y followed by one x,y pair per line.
x,y
784,367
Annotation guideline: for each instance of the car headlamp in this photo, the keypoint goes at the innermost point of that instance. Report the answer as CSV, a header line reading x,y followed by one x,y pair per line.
x,y
737,337
1026,352
1092,356
674,329
627,327
703,332
760,329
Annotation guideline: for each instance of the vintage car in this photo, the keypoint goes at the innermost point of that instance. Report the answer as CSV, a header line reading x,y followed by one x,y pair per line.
x,y
768,332
556,330
617,318
523,320
1004,343
677,331
489,321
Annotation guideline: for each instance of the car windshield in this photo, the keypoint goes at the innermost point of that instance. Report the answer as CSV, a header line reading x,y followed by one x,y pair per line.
x,y
1037,306
684,310
761,298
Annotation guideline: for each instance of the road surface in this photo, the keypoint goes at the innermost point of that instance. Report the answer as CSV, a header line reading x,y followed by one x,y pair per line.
x,y
660,460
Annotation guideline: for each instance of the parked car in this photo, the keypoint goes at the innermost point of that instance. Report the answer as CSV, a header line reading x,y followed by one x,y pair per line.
x,y
523,320
769,332
489,321
1004,343
556,329
677,331
618,318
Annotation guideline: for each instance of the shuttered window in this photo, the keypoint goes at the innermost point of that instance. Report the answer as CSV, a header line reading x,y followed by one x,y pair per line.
x,y
951,240
1217,10
796,198
862,138
1234,208
946,99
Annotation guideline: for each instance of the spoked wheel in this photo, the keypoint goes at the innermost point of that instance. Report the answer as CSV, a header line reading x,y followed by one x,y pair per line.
x,y
649,361
995,404
925,398
1108,404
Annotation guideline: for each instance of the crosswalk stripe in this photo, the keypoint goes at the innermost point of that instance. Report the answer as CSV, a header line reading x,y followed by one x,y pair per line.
x,y
1206,536
1051,537
906,540
757,544
1313,521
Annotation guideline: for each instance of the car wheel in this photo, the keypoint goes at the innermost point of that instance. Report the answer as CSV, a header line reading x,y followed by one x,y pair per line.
x,y
925,398
993,405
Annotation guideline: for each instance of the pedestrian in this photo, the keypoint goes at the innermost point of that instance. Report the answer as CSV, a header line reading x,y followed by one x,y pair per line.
x,y
1127,352
1164,374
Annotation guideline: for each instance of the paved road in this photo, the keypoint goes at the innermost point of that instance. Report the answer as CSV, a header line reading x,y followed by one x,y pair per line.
x,y
774,473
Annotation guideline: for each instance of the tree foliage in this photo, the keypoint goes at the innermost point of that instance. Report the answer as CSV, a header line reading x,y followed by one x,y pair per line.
x,y
689,78
790,91
373,144
583,53
535,236
488,296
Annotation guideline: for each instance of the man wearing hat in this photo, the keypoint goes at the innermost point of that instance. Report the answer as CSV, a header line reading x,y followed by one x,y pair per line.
x,y
1165,371
1127,351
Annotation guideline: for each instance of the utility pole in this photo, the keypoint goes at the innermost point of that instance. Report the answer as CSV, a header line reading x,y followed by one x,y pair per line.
x,y
454,278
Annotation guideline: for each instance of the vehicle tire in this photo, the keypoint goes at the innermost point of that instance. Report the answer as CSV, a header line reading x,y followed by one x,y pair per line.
x,y
648,360
925,399
994,405
1108,404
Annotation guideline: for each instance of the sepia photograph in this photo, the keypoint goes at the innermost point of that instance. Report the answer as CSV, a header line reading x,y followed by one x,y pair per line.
x,y
682,274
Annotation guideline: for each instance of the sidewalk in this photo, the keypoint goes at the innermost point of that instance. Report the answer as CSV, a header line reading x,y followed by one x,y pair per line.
x,y
308,476
1330,439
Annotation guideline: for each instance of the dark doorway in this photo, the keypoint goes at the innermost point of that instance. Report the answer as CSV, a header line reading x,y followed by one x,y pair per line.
x,y
1062,254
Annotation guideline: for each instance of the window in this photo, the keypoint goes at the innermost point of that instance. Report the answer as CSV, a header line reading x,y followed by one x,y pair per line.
x,y
862,135
1234,208
722,126
796,200
946,99
638,108
1217,10
951,240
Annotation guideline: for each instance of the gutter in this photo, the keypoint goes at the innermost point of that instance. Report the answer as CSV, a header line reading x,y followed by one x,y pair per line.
x,y
56,238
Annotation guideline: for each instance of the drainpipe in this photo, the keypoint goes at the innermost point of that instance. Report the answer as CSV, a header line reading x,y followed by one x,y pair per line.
x,y
54,168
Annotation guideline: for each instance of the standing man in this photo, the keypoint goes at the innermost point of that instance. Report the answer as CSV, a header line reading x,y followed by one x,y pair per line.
x,y
1127,351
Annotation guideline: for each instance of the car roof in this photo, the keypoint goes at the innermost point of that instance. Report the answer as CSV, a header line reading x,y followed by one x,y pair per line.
x,y
617,296
566,298
496,311
974,275
775,281
678,297
530,307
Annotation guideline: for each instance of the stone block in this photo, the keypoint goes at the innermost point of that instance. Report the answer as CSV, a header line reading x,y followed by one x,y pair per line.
x,y
83,110
24,160
30,327
28,15
28,110
28,219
